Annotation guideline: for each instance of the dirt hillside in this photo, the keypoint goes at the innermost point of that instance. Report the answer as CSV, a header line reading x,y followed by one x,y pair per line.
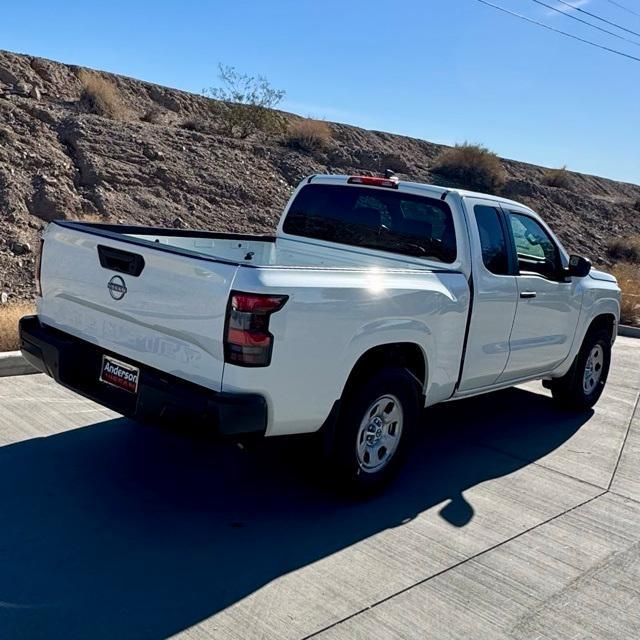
x,y
158,160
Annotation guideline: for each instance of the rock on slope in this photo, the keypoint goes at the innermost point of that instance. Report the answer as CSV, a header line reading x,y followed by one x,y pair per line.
x,y
58,161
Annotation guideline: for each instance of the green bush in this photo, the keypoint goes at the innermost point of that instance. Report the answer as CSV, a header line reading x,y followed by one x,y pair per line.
x,y
472,166
246,104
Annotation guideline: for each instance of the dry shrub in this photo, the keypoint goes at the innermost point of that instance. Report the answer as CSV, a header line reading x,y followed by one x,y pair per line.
x,y
9,316
559,178
636,205
6,136
195,124
91,217
155,115
624,249
471,165
101,96
308,135
628,276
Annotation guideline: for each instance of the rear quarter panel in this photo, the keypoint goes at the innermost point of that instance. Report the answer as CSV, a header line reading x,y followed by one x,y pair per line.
x,y
334,316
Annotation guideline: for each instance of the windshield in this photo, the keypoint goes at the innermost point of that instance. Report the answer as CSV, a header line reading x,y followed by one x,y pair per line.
x,y
374,218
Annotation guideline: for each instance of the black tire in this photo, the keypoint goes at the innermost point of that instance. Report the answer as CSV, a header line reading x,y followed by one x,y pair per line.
x,y
570,392
350,467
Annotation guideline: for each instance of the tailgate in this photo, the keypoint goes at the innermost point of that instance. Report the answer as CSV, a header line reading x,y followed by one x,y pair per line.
x,y
150,305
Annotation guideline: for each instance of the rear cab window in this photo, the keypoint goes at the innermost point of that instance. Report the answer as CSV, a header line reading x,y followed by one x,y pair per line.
x,y
374,218
493,240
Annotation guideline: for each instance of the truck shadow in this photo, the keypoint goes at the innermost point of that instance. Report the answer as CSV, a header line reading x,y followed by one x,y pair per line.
x,y
122,530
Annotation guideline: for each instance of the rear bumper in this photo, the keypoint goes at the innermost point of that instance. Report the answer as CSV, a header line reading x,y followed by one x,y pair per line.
x,y
75,364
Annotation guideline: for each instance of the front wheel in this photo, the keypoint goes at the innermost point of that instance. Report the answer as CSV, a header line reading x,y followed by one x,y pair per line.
x,y
581,387
375,424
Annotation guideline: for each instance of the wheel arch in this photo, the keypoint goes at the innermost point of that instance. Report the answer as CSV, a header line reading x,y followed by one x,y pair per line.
x,y
606,321
408,355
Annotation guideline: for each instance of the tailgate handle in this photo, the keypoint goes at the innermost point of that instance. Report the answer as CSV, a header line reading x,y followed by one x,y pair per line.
x,y
121,261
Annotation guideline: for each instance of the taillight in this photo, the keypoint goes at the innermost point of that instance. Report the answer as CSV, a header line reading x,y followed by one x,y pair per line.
x,y
248,342
372,181
39,268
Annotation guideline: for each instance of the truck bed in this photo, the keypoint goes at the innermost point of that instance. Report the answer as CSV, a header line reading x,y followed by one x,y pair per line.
x,y
257,250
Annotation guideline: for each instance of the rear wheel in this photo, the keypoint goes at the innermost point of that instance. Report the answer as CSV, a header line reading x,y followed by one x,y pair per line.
x,y
375,424
581,387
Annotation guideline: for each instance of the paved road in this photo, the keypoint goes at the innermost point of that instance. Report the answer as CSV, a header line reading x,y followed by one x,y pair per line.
x,y
510,521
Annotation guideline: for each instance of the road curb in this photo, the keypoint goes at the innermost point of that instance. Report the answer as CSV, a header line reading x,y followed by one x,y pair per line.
x,y
13,364
628,332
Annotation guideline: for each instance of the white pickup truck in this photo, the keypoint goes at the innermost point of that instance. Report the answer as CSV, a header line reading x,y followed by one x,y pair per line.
x,y
375,299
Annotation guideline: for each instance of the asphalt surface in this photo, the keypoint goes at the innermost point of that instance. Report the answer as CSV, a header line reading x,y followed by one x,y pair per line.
x,y
510,520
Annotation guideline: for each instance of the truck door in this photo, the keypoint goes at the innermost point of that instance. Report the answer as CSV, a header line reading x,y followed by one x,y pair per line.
x,y
495,295
548,302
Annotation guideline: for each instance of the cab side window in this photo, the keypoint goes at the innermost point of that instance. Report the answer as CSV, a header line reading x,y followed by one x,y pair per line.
x,y
537,253
492,239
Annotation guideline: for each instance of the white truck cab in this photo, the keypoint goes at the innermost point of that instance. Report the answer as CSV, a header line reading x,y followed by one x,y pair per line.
x,y
375,298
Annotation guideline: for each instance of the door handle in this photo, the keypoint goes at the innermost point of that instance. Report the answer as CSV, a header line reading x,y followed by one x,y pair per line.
x,y
528,294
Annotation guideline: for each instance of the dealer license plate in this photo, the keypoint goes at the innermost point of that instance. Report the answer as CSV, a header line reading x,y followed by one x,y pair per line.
x,y
119,374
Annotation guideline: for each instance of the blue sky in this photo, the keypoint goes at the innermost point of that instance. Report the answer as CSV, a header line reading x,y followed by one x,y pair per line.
x,y
442,70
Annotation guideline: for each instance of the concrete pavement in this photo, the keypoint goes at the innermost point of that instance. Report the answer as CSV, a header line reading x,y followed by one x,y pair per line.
x,y
511,520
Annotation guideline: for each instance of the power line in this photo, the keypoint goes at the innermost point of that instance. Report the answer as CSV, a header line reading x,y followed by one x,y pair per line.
x,y
621,6
593,15
595,26
564,33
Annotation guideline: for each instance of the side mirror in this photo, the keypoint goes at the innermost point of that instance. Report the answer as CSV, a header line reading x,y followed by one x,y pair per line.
x,y
579,266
